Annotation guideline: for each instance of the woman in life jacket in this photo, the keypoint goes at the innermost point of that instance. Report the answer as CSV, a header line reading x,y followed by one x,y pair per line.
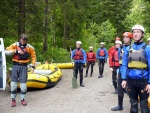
x,y
79,57
114,63
136,71
127,38
91,58
102,56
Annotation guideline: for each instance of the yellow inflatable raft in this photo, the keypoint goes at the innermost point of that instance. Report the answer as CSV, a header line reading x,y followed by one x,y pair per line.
x,y
44,76
64,65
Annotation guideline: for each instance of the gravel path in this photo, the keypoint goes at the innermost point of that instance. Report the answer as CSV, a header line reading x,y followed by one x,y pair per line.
x,y
96,97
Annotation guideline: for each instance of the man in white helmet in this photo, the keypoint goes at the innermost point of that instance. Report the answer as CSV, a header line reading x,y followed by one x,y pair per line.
x,y
79,57
114,63
136,71
149,41
102,56
91,58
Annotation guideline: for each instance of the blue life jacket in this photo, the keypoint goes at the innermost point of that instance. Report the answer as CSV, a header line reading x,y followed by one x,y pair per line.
x,y
136,71
98,53
121,53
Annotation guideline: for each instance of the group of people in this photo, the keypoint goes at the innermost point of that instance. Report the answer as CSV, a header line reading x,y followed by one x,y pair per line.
x,y
81,58
133,62
129,63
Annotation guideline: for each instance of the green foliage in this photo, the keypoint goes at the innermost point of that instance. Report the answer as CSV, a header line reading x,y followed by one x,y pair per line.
x,y
54,54
139,15
106,33
90,21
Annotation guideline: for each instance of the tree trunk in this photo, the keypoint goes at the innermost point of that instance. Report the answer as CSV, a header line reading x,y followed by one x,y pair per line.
x,y
45,28
65,28
21,18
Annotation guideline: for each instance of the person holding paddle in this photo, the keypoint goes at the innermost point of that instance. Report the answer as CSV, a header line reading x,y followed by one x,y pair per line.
x,y
79,57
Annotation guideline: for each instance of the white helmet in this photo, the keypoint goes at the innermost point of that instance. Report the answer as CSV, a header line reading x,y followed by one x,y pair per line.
x,y
118,42
91,47
102,43
138,27
149,39
78,42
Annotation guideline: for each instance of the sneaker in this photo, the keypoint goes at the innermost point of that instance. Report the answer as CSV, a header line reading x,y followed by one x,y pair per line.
x,y
99,76
82,85
13,103
118,108
23,102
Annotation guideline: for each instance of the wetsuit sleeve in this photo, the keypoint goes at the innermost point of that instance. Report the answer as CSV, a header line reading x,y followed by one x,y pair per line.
x,y
147,50
33,55
119,53
106,54
72,54
84,54
125,64
97,54
12,48
110,59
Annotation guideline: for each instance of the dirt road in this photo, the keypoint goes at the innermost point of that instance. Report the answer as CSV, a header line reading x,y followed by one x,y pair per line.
x,y
96,97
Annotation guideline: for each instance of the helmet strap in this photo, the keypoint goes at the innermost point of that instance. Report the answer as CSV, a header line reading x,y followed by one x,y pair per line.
x,y
139,40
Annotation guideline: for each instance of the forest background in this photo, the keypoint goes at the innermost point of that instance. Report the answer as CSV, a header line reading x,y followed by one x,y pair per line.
x,y
53,26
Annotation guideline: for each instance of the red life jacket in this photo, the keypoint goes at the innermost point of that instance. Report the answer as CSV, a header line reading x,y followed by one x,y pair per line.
x,y
102,52
90,56
111,49
25,56
115,58
78,55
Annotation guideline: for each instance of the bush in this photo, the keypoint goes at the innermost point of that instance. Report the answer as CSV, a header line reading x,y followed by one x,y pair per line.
x,y
56,54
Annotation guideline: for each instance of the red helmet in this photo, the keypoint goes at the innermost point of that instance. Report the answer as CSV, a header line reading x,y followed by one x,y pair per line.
x,y
128,34
117,38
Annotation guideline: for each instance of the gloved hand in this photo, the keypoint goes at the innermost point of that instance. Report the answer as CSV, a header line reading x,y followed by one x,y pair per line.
x,y
111,69
84,65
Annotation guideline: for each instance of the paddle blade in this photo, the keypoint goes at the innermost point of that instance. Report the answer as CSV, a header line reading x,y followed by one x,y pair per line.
x,y
74,83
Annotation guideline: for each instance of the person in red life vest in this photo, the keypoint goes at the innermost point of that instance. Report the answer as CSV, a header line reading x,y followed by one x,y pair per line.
x,y
79,57
111,48
127,38
91,58
114,63
22,53
102,56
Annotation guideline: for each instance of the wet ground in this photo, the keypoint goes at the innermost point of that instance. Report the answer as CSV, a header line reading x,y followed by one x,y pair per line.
x,y
96,97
